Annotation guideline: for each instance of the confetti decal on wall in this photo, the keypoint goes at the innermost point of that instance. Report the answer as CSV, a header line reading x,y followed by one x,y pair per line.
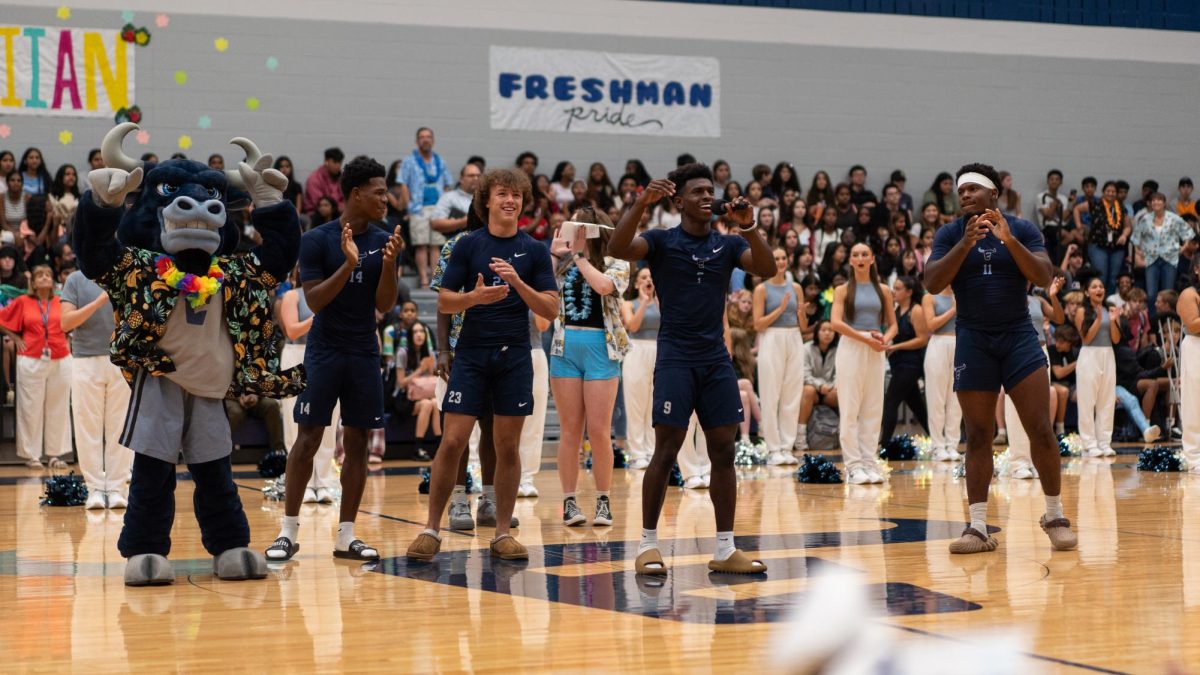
x,y
5,130
65,137
185,142
221,44
181,77
272,63
252,103
64,13
162,21
205,122
142,137
127,16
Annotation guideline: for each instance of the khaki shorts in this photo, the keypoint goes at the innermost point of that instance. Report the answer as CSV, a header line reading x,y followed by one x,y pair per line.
x,y
421,232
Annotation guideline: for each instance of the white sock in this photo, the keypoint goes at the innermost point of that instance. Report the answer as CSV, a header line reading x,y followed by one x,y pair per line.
x,y
802,433
1060,428
568,495
489,493
601,493
725,547
649,540
432,533
745,438
345,536
459,496
291,528
979,518
1054,507
1002,430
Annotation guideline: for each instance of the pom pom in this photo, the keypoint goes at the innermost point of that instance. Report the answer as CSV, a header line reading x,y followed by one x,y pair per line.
x,y
1160,458
273,464
676,479
275,489
423,488
1070,445
749,454
924,446
65,491
474,479
619,459
898,448
818,469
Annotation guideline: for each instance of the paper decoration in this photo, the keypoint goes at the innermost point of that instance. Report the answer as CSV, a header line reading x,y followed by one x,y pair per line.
x,y
205,122
64,13
185,142
5,130
221,44
127,16
252,103
272,63
65,137
131,114
181,77
162,21
142,137
62,71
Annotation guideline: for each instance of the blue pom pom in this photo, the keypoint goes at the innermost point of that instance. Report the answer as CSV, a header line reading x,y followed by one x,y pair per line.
x,y
1160,458
423,488
818,469
273,464
65,491
898,448
676,479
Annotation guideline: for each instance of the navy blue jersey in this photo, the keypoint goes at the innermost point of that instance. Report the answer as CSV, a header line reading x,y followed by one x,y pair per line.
x,y
347,323
989,286
506,322
691,276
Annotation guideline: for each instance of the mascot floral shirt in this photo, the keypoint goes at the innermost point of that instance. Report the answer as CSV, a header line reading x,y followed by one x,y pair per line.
x,y
142,303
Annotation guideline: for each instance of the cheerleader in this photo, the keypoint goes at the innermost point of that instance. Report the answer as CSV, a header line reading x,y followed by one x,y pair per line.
x,y
1096,374
1188,308
1020,464
779,320
945,414
641,317
859,308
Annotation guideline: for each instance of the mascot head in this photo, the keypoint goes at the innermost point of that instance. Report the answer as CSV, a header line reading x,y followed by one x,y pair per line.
x,y
183,207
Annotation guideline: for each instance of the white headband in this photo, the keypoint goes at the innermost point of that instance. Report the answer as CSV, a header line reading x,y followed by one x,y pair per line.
x,y
976,178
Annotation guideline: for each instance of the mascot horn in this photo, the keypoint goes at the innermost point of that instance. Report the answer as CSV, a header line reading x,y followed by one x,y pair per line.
x,y
193,327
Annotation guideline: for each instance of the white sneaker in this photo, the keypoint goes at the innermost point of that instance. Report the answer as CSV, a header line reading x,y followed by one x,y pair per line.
x,y
116,500
310,496
695,483
95,500
324,496
801,444
953,455
938,455
777,458
859,477
1109,452
1093,452
526,489
34,463
1024,473
876,476
640,464
1152,433
707,480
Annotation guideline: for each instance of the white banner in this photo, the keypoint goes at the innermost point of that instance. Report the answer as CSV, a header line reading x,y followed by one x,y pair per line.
x,y
76,72
601,93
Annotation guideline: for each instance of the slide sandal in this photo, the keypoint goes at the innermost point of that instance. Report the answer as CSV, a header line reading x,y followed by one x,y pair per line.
x,y
282,550
737,563
357,551
650,562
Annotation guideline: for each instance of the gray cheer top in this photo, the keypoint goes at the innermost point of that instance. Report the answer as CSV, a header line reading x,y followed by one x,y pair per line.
x,y
941,305
303,313
1102,339
1037,316
867,310
650,322
776,295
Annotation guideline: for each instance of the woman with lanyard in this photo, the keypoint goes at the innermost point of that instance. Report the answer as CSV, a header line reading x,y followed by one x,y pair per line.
x,y
34,323
945,414
1020,459
1158,236
642,318
778,310
585,357
1096,372
296,319
1188,308
860,307
1108,236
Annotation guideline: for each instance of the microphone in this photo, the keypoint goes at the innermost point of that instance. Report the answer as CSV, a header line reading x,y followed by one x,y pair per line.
x,y
721,206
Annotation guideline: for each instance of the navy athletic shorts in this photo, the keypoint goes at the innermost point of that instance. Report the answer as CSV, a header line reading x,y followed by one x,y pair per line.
x,y
352,378
983,361
498,380
711,391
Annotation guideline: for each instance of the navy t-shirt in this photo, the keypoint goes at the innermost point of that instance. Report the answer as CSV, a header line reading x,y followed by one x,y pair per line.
x,y
347,323
691,276
504,323
989,286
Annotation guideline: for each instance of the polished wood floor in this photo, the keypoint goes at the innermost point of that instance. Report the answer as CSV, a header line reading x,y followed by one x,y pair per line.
x,y
1127,601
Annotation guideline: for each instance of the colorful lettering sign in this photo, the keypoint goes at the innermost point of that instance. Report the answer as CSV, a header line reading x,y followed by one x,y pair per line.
x,y
67,72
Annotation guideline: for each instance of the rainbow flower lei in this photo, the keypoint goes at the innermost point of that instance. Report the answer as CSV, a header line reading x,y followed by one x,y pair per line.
x,y
197,289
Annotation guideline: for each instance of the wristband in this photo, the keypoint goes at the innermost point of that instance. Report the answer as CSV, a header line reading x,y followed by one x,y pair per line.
x,y
753,226
580,255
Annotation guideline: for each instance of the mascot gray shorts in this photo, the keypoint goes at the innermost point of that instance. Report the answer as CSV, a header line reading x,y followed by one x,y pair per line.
x,y
166,422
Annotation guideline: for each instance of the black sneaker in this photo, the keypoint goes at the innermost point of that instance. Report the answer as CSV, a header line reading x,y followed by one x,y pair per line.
x,y
572,516
603,512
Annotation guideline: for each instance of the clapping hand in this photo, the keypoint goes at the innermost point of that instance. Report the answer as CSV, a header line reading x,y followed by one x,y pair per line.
x,y
393,248
486,295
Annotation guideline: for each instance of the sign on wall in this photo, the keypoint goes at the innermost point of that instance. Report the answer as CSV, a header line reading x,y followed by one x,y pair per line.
x,y
603,93
77,72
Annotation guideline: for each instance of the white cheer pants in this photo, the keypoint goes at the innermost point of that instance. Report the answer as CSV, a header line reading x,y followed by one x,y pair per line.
x,y
945,414
693,454
859,380
637,375
780,385
534,431
1189,405
1096,390
1020,453
43,407
99,401
322,475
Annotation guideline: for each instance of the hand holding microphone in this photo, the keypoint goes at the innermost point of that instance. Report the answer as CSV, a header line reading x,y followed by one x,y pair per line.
x,y
738,211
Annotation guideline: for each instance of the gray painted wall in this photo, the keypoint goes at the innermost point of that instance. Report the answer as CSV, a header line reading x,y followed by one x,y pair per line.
x,y
367,87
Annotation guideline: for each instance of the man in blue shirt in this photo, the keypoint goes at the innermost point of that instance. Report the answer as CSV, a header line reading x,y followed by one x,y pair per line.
x,y
989,259
425,177
348,270
496,275
691,265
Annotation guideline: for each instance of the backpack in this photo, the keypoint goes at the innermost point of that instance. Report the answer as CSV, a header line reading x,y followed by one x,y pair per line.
x,y
823,429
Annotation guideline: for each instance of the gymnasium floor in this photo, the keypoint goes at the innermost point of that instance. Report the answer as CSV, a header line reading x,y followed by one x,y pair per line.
x,y
1127,601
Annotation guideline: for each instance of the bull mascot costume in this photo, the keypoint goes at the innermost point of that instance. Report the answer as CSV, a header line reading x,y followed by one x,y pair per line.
x,y
193,327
